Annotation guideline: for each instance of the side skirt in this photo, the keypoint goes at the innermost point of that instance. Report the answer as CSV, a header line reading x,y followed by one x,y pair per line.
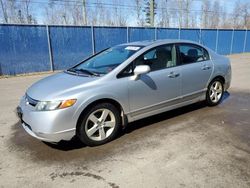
x,y
166,106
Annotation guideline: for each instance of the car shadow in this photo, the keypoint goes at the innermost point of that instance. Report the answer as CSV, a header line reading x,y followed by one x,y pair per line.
x,y
162,117
148,81
168,115
75,143
225,96
72,144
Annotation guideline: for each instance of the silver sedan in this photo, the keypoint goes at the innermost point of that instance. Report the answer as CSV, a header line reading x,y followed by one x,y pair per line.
x,y
96,98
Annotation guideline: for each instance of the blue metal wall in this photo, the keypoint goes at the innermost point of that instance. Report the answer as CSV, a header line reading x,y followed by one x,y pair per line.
x,y
224,41
105,37
190,34
167,33
208,38
247,48
238,41
69,45
136,34
25,49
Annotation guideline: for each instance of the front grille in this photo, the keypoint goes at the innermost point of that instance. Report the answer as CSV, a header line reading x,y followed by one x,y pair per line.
x,y
31,101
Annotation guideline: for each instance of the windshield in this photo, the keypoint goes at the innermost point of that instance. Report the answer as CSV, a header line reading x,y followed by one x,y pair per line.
x,y
106,61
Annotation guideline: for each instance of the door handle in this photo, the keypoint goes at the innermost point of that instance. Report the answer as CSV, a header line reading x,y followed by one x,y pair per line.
x,y
206,67
173,75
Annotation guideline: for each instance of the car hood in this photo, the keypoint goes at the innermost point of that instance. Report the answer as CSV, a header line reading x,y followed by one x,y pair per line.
x,y
58,85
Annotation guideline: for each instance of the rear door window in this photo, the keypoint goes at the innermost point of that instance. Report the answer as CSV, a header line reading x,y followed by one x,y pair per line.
x,y
190,53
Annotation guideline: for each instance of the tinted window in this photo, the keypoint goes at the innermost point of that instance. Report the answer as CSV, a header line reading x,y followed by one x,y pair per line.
x,y
192,53
150,55
158,58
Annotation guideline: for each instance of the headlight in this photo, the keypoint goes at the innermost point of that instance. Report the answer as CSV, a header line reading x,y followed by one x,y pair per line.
x,y
53,105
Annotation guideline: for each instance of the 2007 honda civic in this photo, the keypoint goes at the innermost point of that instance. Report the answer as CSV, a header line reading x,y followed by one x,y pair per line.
x,y
131,81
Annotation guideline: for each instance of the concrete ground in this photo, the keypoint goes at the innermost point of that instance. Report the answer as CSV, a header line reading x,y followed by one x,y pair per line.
x,y
195,146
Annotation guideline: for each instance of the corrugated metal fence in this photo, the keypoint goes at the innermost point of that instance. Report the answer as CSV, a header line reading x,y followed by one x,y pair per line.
x,y
29,48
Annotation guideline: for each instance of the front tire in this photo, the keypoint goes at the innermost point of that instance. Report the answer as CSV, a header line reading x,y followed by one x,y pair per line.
x,y
215,92
99,125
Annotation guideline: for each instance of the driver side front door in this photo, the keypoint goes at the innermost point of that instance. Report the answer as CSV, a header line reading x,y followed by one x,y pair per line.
x,y
158,89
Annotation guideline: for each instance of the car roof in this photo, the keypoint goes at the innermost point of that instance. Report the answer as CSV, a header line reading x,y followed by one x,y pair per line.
x,y
155,42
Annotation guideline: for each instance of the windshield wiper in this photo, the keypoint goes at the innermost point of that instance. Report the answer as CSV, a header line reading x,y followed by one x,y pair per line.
x,y
84,71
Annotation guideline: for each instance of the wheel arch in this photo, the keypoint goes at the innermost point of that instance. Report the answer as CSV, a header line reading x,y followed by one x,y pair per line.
x,y
219,76
104,100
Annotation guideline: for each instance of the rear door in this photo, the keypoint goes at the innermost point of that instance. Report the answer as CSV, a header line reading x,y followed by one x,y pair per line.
x,y
196,69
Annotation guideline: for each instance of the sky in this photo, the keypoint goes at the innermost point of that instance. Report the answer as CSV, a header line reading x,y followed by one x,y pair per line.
x,y
228,4
38,6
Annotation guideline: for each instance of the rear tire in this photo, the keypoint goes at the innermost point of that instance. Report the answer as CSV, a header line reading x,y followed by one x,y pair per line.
x,y
215,92
99,125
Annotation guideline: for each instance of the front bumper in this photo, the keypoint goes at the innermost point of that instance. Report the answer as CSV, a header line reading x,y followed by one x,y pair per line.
x,y
49,126
54,137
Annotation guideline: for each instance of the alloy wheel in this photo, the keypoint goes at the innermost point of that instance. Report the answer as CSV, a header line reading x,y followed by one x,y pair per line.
x,y
215,92
100,124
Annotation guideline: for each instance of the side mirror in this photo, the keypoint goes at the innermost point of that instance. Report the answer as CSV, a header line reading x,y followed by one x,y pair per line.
x,y
139,70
